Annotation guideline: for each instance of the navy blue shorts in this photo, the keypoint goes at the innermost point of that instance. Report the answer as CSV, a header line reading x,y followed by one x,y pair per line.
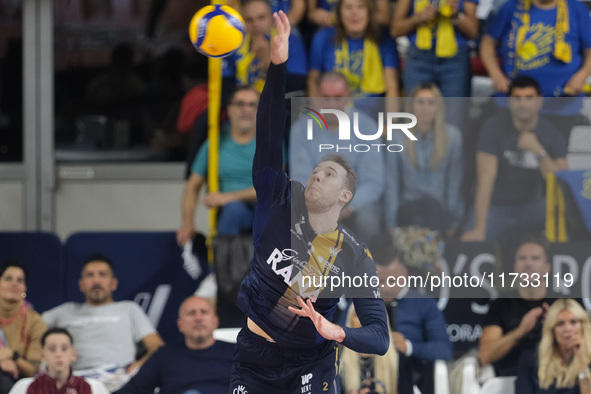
x,y
263,367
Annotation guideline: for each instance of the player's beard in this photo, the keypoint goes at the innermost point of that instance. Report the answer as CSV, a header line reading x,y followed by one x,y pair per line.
x,y
317,202
98,295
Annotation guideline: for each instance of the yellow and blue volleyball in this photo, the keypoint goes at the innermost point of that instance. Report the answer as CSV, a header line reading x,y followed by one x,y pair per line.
x,y
216,30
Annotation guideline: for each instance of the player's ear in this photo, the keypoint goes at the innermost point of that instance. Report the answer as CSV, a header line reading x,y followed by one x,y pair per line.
x,y
346,196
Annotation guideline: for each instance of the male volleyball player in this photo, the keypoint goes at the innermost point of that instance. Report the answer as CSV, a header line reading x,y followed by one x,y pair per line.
x,y
289,343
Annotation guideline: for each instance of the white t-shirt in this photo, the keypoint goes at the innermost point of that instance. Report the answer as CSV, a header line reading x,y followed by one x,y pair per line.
x,y
105,334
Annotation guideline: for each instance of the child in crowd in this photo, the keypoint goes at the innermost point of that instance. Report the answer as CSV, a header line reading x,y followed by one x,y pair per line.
x,y
58,354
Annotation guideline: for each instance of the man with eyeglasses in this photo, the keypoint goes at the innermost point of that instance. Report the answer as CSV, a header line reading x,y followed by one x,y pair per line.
x,y
236,197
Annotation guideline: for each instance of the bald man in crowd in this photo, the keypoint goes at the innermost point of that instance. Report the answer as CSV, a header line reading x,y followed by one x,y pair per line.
x,y
199,365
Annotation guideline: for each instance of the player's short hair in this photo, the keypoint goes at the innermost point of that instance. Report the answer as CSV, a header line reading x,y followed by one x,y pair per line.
x,y
98,257
56,330
246,2
524,82
534,239
350,178
14,263
242,88
333,76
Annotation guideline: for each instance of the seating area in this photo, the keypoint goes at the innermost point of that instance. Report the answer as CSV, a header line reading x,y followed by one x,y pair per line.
x,y
148,264
22,385
150,271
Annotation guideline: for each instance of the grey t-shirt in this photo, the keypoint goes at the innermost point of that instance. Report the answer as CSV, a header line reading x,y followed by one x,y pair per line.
x,y
103,335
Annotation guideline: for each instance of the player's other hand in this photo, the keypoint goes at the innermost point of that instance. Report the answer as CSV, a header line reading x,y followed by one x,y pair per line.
x,y
328,330
280,43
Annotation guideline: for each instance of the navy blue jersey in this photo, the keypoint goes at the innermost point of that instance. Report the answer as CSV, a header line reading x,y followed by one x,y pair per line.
x,y
287,250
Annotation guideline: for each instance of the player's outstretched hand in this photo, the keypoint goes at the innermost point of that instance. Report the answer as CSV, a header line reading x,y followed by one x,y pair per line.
x,y
280,43
328,330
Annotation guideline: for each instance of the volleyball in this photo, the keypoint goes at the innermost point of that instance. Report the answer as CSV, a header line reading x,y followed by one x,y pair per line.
x,y
216,30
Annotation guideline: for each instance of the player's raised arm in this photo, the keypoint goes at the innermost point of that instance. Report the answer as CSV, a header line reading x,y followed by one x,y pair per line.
x,y
280,43
271,112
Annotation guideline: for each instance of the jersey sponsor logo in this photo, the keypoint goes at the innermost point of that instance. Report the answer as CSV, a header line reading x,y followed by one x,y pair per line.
x,y
240,390
306,378
277,260
298,229
334,251
311,248
307,383
352,238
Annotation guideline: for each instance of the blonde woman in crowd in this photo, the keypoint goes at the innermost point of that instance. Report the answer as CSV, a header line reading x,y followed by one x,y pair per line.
x,y
561,365
368,373
423,185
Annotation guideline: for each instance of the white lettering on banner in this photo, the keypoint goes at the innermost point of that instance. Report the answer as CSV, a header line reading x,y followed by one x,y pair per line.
x,y
143,300
477,262
460,263
155,309
558,262
158,303
463,332
479,309
474,268
444,293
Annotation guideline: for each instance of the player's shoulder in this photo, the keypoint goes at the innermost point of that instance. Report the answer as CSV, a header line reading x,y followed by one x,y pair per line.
x,y
296,186
66,307
126,305
352,241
